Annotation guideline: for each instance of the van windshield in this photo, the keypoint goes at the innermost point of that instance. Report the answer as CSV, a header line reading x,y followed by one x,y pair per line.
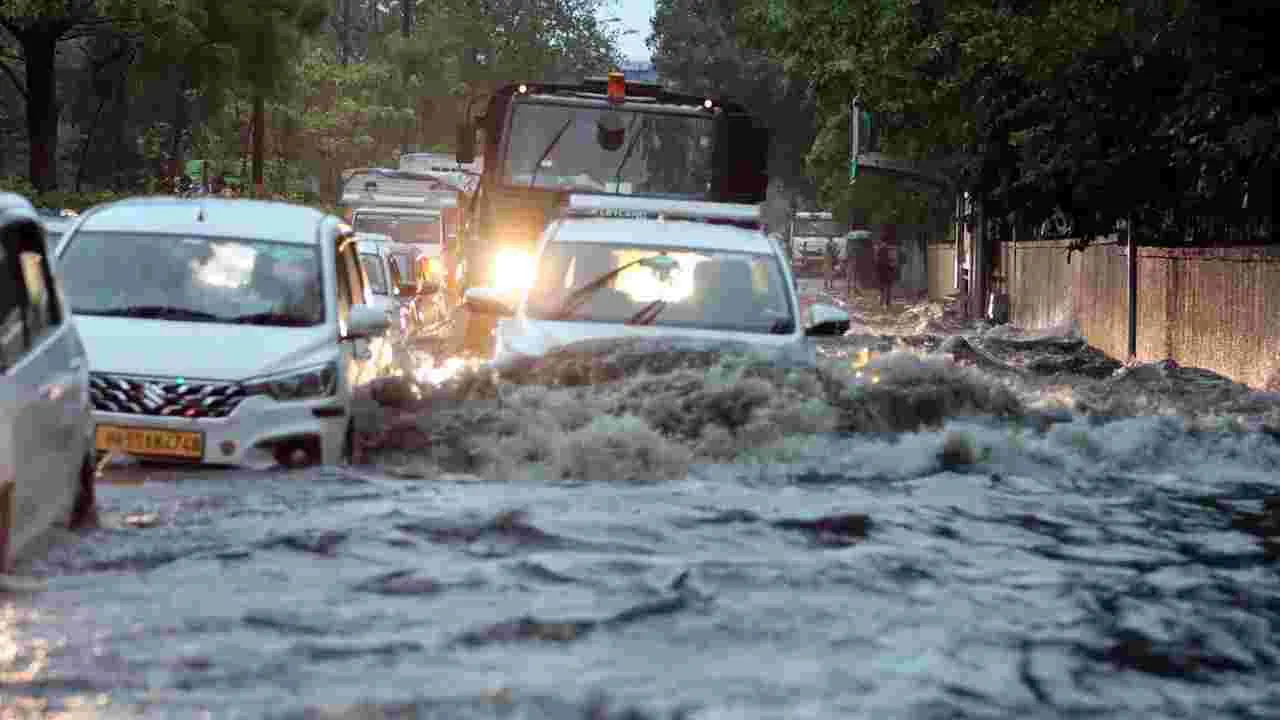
x,y
401,228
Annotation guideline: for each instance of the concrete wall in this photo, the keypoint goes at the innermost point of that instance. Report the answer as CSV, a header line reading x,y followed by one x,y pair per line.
x,y
1216,308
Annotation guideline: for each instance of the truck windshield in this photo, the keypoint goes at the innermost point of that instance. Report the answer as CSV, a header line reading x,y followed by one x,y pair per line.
x,y
807,227
560,147
402,228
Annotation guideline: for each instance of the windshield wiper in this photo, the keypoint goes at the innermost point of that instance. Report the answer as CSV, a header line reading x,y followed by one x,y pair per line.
x,y
649,313
631,145
550,146
164,312
577,297
270,318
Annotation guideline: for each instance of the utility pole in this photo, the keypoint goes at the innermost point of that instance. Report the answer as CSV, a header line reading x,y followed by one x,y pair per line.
x,y
259,131
406,31
979,269
1132,262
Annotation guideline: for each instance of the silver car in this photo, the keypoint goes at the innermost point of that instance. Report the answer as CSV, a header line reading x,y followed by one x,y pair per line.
x,y
46,427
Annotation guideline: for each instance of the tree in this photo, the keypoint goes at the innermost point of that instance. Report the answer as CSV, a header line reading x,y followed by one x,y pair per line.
x,y
697,46
1099,110
214,41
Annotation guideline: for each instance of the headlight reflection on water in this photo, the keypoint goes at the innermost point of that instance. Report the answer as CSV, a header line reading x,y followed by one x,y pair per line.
x,y
444,371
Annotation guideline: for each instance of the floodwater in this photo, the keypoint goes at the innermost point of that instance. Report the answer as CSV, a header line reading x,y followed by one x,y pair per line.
x,y
899,537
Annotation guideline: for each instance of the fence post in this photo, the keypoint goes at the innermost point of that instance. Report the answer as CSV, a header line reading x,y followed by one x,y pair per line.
x,y
1132,248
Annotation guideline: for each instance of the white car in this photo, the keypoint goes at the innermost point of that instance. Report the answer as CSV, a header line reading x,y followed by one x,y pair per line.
x,y
226,332
46,456
621,267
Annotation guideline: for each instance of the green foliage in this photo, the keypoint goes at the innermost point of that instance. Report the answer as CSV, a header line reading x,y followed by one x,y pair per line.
x,y
697,46
55,199
1100,109
513,40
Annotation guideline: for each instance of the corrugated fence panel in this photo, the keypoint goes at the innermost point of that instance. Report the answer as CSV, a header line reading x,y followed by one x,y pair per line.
x,y
941,266
1216,308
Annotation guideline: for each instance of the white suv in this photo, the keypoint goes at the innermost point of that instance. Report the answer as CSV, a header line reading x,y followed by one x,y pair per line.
x,y
228,332
625,267
46,464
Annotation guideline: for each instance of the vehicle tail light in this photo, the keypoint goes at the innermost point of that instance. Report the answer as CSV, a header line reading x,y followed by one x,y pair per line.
x,y
617,87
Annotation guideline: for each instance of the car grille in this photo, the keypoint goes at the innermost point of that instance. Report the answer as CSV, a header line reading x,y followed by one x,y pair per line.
x,y
165,397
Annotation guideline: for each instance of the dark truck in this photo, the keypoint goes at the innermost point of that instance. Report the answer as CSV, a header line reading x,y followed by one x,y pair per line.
x,y
542,141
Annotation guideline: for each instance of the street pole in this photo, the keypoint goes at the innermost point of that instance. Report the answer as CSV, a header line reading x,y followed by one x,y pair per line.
x,y
855,113
1132,248
259,131
978,268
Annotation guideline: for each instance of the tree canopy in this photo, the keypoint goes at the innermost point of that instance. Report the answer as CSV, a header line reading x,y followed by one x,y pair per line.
x,y
346,82
1097,110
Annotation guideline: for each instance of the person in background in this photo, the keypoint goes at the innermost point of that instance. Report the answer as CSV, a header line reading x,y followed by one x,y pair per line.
x,y
886,270
829,274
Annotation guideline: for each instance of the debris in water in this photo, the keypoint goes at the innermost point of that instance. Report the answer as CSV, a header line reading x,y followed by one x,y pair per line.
x,y
957,451
142,519
20,584
844,529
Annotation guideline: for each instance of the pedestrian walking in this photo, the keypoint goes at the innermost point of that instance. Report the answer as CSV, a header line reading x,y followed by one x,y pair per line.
x,y
886,271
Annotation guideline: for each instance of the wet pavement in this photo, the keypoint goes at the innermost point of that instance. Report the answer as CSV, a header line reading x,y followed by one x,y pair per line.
x,y
930,536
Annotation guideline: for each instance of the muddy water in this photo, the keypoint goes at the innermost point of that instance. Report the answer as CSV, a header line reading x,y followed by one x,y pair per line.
x,y
892,537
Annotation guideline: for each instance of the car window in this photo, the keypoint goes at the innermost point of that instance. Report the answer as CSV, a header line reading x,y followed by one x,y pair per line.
x,y
396,278
344,280
373,270
13,342
29,308
351,288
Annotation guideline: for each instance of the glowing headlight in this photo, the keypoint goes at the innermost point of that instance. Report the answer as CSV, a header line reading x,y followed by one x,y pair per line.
x,y
316,382
513,270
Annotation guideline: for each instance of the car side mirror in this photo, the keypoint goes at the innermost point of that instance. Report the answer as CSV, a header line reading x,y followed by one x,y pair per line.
x,y
487,301
825,320
365,321
466,144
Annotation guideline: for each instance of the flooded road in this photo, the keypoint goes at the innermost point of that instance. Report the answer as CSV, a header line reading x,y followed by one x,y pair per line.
x,y
997,560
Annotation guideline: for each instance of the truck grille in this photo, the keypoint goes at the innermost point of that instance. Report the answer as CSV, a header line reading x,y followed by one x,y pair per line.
x,y
163,396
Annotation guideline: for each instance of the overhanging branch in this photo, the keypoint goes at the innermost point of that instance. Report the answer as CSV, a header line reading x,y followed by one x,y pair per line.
x,y
13,78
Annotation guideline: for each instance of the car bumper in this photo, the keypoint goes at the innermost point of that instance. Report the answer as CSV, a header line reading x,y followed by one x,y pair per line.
x,y
260,433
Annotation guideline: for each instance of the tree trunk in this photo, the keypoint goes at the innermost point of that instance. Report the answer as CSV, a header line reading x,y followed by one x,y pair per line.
x,y
181,121
406,17
259,131
344,32
39,51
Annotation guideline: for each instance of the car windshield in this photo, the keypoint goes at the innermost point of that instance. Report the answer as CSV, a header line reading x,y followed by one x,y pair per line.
x,y
374,270
816,228
194,279
403,228
711,290
604,150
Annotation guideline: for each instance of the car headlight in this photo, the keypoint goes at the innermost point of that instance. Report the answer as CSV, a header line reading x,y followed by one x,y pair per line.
x,y
315,382
513,270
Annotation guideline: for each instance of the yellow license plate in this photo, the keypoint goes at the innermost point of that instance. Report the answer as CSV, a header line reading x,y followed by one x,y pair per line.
x,y
154,443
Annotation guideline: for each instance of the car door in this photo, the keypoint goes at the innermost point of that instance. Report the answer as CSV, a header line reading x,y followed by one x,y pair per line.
x,y
44,363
